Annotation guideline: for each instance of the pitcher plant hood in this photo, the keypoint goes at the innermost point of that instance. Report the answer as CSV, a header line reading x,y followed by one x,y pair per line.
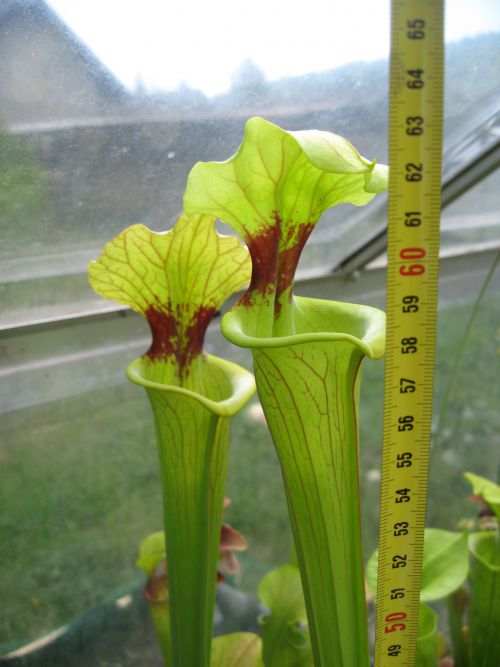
x,y
272,192
177,280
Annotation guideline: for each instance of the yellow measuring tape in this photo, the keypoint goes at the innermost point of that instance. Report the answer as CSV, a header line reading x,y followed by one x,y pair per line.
x,y
415,146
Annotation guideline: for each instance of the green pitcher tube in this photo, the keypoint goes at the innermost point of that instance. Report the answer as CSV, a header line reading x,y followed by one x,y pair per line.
x,y
307,353
485,599
308,386
192,433
178,280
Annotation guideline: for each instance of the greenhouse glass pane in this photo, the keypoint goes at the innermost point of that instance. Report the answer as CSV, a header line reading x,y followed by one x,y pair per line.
x,y
474,218
471,222
97,135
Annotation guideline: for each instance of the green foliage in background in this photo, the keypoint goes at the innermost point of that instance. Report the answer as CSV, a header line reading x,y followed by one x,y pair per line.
x,y
22,195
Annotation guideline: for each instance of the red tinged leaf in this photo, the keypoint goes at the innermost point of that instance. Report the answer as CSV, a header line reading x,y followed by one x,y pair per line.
x,y
263,248
272,192
178,280
288,260
167,341
231,539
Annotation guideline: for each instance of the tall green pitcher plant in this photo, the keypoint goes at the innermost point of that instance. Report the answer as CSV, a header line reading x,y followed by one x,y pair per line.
x,y
307,354
178,280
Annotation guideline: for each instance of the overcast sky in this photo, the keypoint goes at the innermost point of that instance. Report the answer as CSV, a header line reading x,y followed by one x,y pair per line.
x,y
202,42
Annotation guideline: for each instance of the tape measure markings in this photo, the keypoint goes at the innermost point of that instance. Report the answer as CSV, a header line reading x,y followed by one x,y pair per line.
x,y
415,131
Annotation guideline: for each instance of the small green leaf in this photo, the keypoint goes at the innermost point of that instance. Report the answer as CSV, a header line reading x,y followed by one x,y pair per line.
x,y
281,591
488,490
240,649
273,192
371,572
284,633
444,566
485,547
152,552
177,279
427,640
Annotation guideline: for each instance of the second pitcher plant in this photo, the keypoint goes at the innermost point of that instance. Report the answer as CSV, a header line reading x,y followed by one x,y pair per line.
x,y
307,354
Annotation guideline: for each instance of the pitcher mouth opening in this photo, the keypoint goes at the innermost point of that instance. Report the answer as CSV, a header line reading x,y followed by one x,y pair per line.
x,y
316,320
240,385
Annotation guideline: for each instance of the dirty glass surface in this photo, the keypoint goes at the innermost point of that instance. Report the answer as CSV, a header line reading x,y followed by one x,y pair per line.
x,y
474,218
87,149
91,143
472,222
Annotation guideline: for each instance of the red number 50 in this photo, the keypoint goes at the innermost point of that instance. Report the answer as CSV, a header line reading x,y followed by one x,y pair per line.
x,y
396,616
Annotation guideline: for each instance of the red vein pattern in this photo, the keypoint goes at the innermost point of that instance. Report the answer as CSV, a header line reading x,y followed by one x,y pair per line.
x,y
193,447
178,280
307,392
